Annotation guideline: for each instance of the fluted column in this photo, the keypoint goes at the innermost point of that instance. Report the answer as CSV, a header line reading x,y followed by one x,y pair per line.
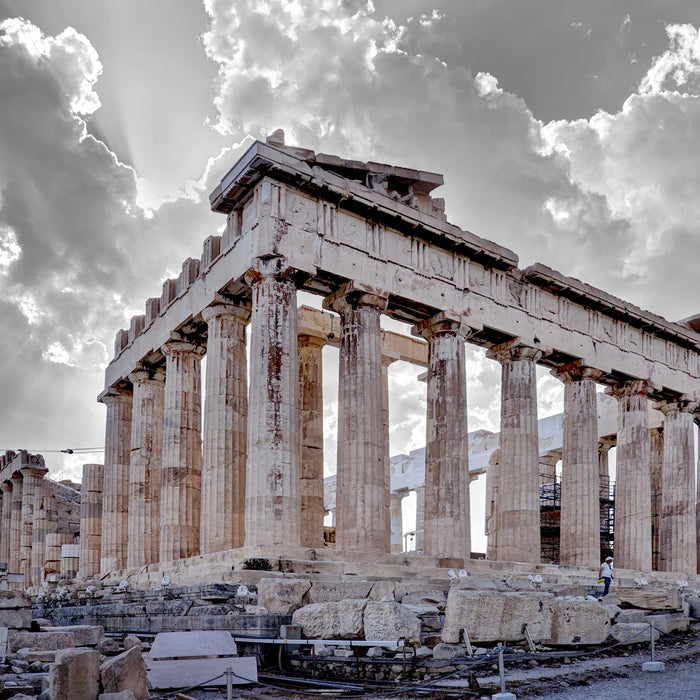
x,y
91,520
33,527
632,484
656,459
386,363
16,523
181,474
493,485
225,426
273,494
362,496
678,537
580,506
518,513
145,467
447,513
311,428
115,497
420,515
396,501
6,522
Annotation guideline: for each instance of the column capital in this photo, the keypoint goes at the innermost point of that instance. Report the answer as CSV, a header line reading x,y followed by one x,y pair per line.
x,y
270,268
177,346
442,324
238,311
604,444
33,470
576,371
678,404
5,486
310,340
634,387
515,350
352,296
144,373
112,395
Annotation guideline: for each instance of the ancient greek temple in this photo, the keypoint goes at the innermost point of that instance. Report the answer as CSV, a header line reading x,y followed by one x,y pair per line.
x,y
242,471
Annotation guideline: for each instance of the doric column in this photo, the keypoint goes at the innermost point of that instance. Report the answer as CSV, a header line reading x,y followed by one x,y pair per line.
x,y
115,498
5,523
632,484
678,537
16,523
91,519
518,512
493,485
181,474
225,426
656,459
145,468
41,526
580,506
447,514
396,500
31,483
420,514
311,428
362,497
386,363
273,494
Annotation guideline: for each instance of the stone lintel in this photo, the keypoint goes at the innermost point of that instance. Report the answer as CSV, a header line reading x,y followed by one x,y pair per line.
x,y
114,394
354,295
683,403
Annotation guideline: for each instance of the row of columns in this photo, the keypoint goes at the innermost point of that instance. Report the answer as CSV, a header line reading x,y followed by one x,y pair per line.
x,y
254,476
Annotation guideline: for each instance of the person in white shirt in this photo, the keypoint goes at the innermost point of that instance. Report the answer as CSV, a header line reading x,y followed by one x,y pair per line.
x,y
606,574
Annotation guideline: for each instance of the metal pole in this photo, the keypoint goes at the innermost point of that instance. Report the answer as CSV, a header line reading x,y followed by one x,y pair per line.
x,y
651,634
229,684
501,669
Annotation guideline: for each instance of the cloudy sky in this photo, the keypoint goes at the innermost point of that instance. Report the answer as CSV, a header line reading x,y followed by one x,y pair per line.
x,y
566,131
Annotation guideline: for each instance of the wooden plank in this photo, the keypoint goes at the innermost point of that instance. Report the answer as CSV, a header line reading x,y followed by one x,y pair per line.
x,y
182,673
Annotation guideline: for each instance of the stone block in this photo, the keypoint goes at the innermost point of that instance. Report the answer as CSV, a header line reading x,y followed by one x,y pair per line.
x,y
693,601
631,615
491,616
14,600
125,672
131,640
445,652
382,590
329,592
40,641
282,595
390,620
670,622
578,621
108,646
337,620
632,632
651,598
15,618
428,596
74,675
84,635
123,695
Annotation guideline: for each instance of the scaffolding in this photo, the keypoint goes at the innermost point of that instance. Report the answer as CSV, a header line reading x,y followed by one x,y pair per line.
x,y
550,515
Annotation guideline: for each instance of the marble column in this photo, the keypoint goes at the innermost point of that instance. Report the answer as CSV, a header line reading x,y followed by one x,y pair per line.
x,y
145,467
91,519
16,523
447,513
518,513
580,505
656,459
41,527
273,494
386,363
632,484
678,536
6,522
420,515
31,489
115,498
362,496
225,426
181,473
396,523
493,485
311,429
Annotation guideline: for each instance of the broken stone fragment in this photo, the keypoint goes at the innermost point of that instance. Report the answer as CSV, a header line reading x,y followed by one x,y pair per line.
x,y
125,672
337,620
282,596
74,675
390,620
